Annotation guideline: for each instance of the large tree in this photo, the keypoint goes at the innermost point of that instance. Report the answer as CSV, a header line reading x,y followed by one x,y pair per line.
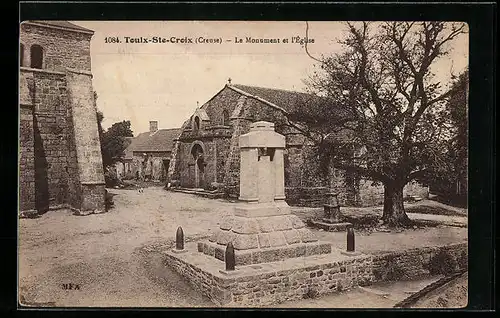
x,y
382,116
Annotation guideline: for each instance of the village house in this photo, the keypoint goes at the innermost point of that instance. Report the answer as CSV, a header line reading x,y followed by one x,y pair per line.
x,y
60,162
147,157
206,153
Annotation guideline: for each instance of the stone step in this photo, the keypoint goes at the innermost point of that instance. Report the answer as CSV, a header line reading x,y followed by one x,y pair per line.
x,y
200,192
331,227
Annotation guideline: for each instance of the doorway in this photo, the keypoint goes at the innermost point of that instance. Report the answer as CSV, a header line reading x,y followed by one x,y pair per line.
x,y
199,166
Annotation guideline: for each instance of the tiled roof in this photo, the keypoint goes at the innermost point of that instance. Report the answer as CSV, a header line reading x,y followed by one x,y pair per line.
x,y
161,141
62,24
294,103
288,100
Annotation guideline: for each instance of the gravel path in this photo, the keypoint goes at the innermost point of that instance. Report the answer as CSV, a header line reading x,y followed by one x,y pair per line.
x,y
113,258
107,255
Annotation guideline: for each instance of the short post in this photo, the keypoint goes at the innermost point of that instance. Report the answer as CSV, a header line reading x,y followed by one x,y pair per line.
x,y
179,239
229,257
350,239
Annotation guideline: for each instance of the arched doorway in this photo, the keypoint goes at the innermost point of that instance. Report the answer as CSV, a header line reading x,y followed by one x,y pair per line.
x,y
198,173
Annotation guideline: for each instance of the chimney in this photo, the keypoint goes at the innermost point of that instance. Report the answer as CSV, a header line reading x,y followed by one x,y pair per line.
x,y
153,126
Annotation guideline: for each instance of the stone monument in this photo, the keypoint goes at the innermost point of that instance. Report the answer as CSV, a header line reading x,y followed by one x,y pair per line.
x,y
262,228
263,254
332,220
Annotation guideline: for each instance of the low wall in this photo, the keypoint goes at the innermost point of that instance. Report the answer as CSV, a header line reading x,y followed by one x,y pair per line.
x,y
371,195
271,283
306,196
419,262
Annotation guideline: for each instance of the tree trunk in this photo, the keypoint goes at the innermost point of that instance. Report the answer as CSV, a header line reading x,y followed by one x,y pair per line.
x,y
394,212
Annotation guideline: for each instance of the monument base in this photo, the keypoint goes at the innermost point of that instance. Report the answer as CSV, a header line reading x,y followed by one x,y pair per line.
x,y
331,227
176,251
270,283
265,255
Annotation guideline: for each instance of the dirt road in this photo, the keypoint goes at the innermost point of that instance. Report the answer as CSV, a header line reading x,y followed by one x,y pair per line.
x,y
103,255
112,259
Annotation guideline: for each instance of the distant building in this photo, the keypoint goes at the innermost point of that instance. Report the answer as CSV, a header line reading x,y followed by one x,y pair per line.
x,y
206,152
148,155
60,162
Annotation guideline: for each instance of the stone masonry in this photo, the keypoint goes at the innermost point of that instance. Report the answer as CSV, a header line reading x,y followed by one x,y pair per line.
x,y
60,158
270,283
216,127
262,229
276,257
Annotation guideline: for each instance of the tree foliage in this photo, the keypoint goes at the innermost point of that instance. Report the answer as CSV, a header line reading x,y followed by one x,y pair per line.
x,y
450,178
113,140
383,115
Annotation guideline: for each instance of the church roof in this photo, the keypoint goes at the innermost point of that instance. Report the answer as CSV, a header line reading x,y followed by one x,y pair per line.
x,y
289,101
160,141
61,24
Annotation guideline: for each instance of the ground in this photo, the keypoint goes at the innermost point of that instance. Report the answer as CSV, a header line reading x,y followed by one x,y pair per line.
x,y
113,258
451,295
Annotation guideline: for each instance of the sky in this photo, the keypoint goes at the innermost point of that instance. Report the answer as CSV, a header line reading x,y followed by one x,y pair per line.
x,y
166,81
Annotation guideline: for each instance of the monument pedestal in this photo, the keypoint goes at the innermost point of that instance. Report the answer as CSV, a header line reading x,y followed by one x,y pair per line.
x,y
263,232
270,243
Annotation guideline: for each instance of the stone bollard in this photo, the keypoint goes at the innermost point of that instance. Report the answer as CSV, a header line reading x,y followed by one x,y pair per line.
x,y
179,239
229,257
350,239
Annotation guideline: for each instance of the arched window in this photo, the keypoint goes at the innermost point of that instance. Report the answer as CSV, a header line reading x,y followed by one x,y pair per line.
x,y
225,118
36,56
196,123
21,55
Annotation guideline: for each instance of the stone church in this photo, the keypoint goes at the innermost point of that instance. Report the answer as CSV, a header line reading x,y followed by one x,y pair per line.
x,y
60,162
206,153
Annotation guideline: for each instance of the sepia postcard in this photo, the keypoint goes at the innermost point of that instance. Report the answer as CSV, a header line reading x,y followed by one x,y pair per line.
x,y
250,164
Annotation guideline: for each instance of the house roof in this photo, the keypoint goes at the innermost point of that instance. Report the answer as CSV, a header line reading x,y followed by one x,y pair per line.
x,y
62,24
160,141
287,100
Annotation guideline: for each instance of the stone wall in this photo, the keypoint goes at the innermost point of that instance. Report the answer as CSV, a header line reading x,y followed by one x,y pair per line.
x,y
61,48
271,283
26,161
371,194
305,183
420,262
93,197
88,147
54,162
306,196
66,149
156,169
263,285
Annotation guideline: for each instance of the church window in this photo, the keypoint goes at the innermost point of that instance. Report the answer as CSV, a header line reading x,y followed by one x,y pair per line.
x,y
196,123
225,118
36,56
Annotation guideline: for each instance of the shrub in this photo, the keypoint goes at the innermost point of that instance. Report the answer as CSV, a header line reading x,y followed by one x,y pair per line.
x,y
175,183
442,263
108,201
111,178
129,176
